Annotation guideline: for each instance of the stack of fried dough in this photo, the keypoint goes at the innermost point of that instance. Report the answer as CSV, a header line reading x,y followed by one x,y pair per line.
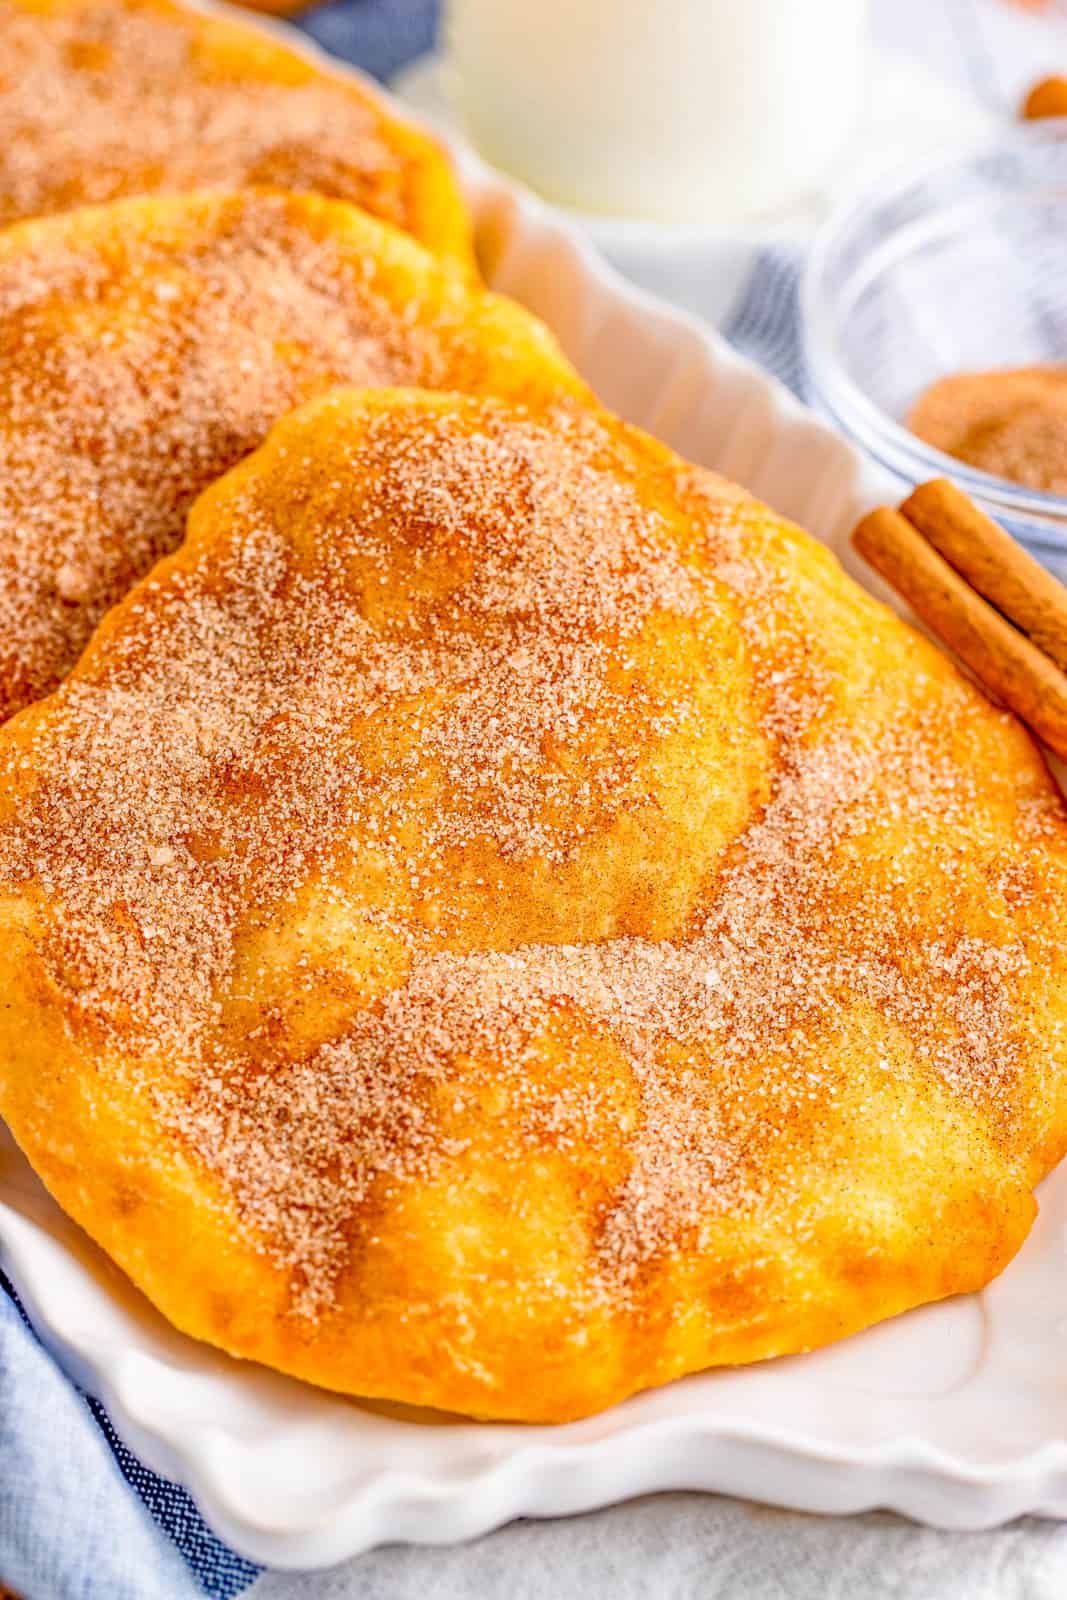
x,y
491,916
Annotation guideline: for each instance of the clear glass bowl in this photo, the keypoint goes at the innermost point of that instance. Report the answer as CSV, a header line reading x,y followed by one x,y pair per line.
x,y
960,265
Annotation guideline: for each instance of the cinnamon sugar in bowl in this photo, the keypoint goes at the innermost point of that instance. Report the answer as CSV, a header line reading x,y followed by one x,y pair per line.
x,y
947,271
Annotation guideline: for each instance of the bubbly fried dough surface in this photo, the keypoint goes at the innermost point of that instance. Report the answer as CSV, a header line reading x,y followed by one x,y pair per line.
x,y
105,98
146,346
499,920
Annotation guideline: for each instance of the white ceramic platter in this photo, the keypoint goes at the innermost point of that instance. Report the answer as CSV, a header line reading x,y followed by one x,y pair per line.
x,y
955,1414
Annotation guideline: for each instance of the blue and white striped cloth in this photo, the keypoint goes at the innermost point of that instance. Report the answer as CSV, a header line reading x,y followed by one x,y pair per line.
x,y
82,1519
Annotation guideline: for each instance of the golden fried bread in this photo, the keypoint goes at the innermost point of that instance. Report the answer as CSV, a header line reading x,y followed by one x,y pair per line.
x,y
105,98
498,920
146,346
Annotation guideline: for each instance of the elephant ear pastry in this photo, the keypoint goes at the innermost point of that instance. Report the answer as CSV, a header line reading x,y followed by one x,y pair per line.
x,y
146,346
498,920
100,99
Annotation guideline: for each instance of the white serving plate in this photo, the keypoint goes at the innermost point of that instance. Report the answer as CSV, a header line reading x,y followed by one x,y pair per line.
x,y
955,1414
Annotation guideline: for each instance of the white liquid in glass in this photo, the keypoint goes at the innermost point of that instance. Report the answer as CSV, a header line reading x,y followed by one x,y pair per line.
x,y
679,110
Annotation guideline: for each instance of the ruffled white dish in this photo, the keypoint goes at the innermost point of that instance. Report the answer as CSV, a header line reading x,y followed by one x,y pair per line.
x,y
955,1414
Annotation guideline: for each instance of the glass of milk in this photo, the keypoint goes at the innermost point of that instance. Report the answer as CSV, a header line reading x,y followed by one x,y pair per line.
x,y
697,111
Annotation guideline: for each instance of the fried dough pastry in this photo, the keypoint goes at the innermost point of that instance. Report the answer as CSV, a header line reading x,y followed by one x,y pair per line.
x,y
146,346
499,920
105,98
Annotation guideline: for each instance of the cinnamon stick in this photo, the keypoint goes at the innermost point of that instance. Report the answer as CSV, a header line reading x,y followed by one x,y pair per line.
x,y
993,563
1005,662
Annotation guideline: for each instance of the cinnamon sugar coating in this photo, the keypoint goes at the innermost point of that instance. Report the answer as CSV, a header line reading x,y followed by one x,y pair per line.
x,y
146,346
1011,422
100,99
498,920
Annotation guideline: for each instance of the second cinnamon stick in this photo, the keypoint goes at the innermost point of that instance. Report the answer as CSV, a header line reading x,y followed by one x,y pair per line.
x,y
993,563
1005,662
